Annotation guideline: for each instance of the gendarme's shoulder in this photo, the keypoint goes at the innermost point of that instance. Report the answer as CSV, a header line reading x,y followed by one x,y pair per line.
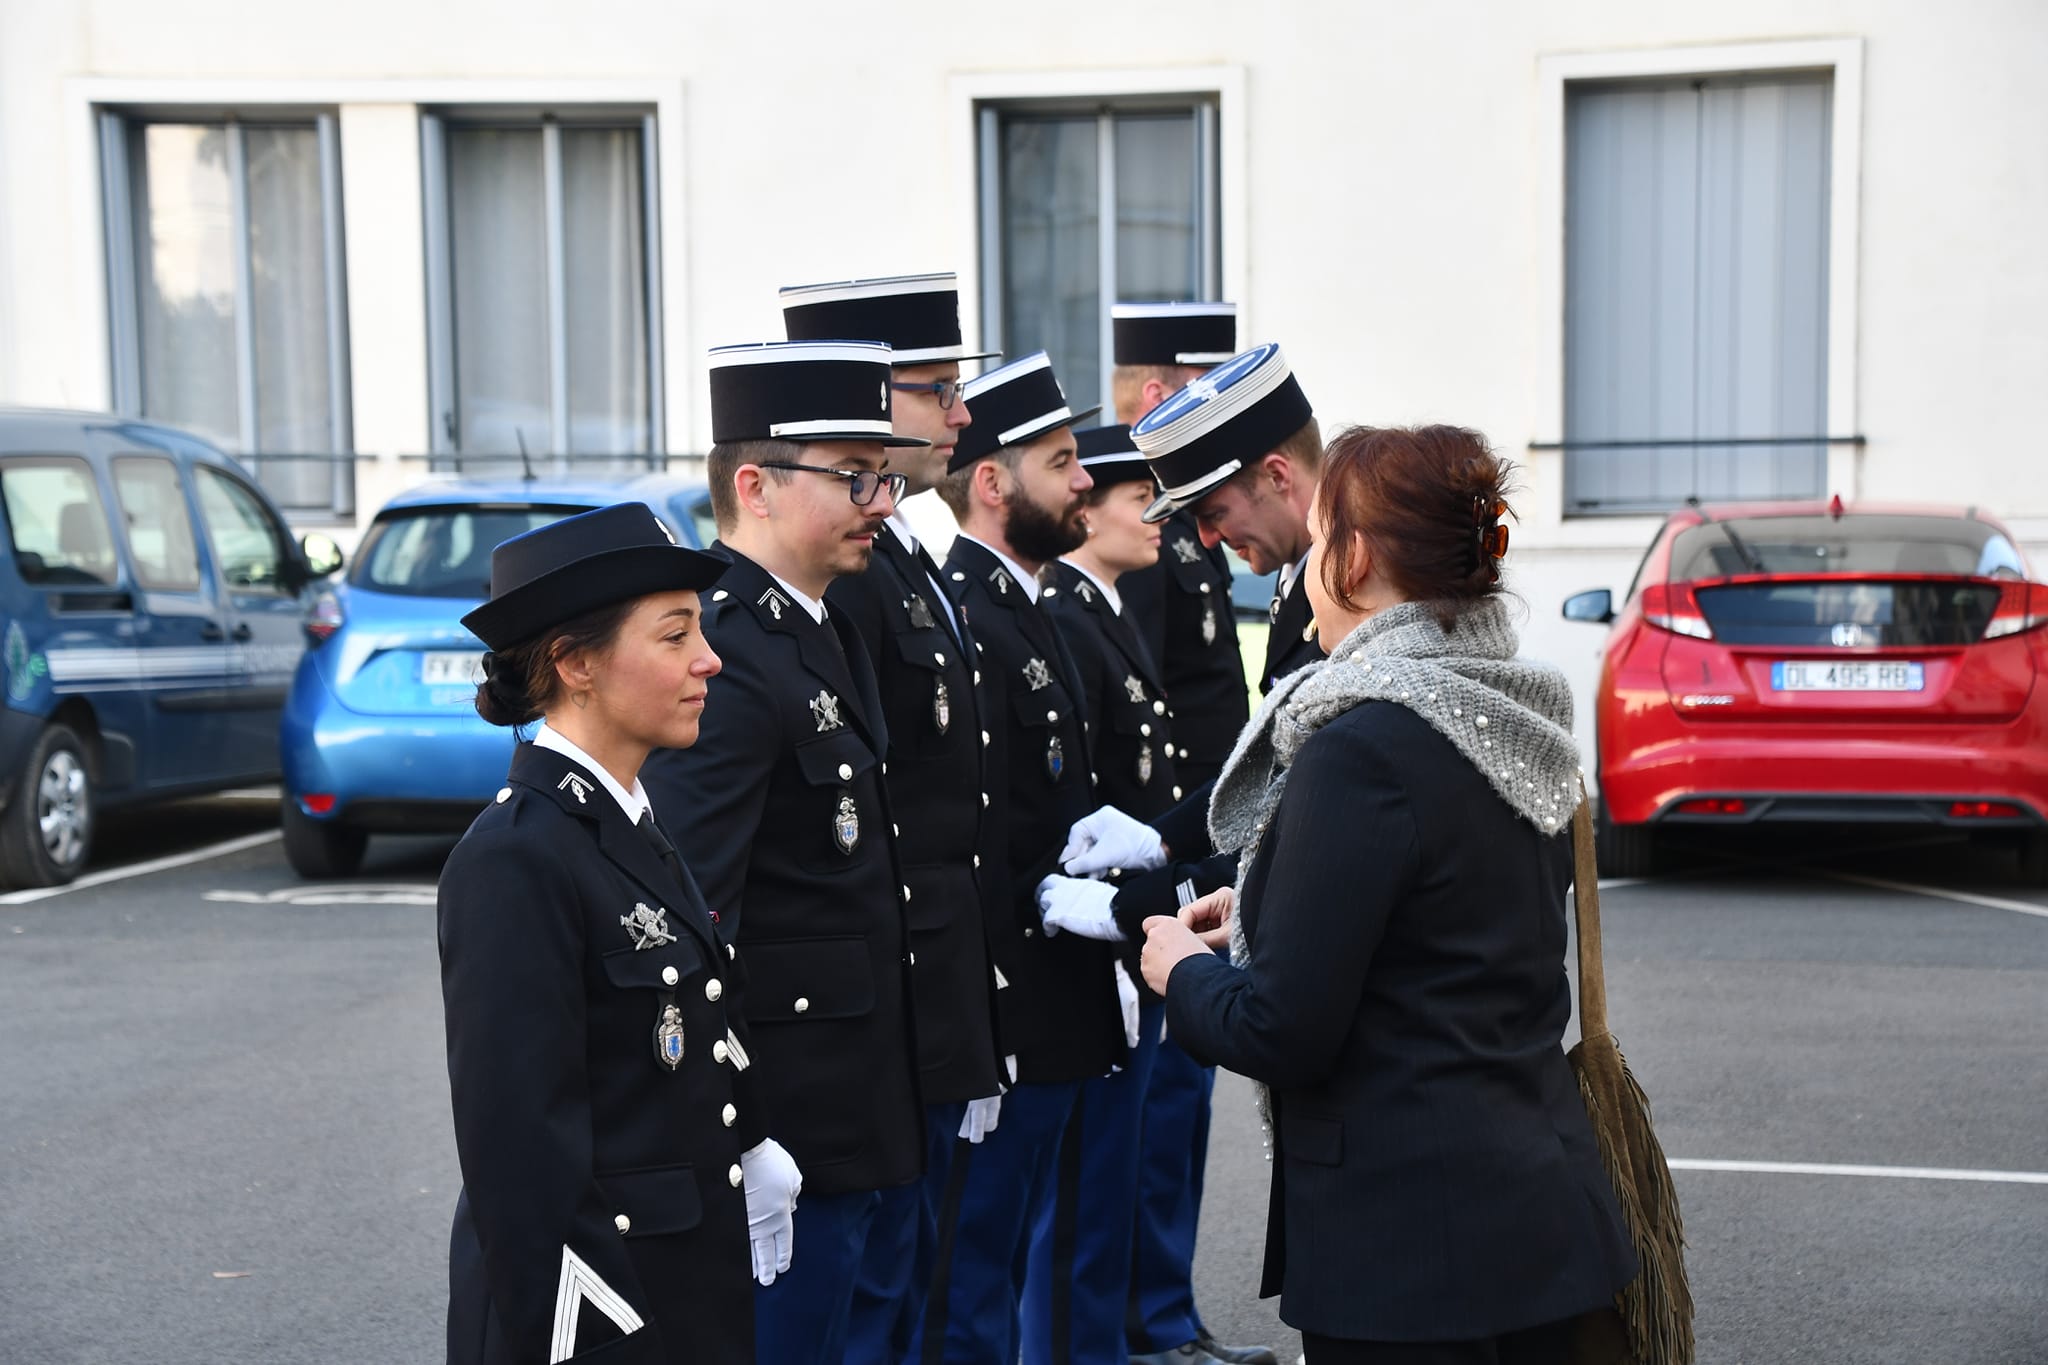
x,y
510,837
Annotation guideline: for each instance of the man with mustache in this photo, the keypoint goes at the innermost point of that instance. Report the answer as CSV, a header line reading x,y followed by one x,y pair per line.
x,y
1015,483
782,812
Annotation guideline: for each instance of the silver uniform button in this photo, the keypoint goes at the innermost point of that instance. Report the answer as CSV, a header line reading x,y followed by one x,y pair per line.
x,y
504,795
984,737
735,1175
906,894
803,1004
977,677
669,976
713,988
1176,793
623,1223
731,952
977,860
941,658
1146,729
984,800
1052,716
1158,708
728,1114
718,1050
846,772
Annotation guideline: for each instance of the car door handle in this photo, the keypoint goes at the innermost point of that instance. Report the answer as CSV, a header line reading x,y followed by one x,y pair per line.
x,y
212,631
242,631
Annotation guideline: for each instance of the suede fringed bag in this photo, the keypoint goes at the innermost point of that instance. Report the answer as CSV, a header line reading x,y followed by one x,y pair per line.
x,y
1652,1321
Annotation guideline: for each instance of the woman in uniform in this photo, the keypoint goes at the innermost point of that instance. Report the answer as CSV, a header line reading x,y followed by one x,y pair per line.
x,y
595,1051
1397,981
1079,1277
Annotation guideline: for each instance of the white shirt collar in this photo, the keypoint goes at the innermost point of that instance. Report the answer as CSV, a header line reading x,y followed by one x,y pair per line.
x,y
899,525
1290,572
1116,604
810,604
634,803
1028,582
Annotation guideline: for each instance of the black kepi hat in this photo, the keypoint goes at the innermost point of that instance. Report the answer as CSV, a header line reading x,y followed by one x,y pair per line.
x,y
1111,457
917,315
1218,424
803,391
1173,333
557,572
1012,404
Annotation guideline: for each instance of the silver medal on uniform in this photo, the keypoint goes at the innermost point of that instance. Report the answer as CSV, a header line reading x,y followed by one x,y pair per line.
x,y
846,825
825,710
1134,688
1037,675
942,706
647,928
668,1036
1144,764
920,613
1055,758
1208,623
1186,550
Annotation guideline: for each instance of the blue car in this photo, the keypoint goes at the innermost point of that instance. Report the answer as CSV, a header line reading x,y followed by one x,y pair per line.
x,y
380,732
150,599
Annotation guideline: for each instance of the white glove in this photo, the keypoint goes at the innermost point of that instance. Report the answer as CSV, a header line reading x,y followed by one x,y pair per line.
x,y
1110,839
1079,906
773,1183
1127,1000
981,1118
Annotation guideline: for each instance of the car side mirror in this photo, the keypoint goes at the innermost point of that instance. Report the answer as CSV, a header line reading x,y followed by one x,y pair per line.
x,y
1595,606
323,556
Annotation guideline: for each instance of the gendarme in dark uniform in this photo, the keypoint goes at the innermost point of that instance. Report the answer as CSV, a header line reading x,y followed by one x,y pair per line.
x,y
601,1097
789,828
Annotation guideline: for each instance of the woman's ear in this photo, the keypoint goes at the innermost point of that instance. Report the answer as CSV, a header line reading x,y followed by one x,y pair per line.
x,y
1361,566
576,671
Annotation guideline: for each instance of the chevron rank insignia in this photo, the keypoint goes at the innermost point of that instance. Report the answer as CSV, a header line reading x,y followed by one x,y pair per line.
x,y
775,602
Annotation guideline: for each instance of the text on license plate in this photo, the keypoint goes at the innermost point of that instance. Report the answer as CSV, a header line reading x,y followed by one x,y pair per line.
x,y
1863,675
446,668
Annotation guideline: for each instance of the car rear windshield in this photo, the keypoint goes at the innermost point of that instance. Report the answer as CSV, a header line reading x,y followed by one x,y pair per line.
x,y
443,551
1874,544
1850,614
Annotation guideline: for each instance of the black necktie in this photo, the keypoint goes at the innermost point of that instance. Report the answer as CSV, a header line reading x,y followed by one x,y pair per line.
x,y
663,849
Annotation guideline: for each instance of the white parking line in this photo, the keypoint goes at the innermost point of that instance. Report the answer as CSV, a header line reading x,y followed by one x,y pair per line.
x,y
1943,893
116,874
1883,1172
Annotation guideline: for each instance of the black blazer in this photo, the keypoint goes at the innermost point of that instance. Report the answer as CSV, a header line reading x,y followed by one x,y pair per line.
x,y
781,811
925,667
1056,997
1291,643
571,1131
1434,1174
1182,609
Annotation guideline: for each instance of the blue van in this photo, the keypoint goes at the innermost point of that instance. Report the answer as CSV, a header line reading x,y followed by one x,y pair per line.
x,y
151,597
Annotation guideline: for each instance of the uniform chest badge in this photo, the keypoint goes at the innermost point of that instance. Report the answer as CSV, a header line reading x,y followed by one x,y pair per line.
x,y
668,1036
846,826
1055,758
825,711
1087,594
1002,582
576,785
920,613
1186,551
647,928
942,706
1208,622
1134,688
774,601
1037,675
1144,764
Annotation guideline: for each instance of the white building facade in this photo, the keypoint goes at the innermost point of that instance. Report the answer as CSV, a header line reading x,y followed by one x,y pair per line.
x,y
1652,250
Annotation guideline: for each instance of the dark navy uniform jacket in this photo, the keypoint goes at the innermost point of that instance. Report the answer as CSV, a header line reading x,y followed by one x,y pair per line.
x,y
1290,644
596,1177
924,661
1181,607
781,811
1056,997
1434,1174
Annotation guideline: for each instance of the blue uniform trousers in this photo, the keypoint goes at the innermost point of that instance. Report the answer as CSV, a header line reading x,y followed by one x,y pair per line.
x,y
896,1269
801,1319
1078,1284
1173,1154
991,1202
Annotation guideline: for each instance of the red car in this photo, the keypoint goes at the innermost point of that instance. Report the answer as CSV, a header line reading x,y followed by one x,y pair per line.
x,y
1824,664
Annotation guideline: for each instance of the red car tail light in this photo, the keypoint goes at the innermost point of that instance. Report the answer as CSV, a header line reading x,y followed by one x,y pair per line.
x,y
2021,607
318,803
1714,805
1672,607
1984,810
323,618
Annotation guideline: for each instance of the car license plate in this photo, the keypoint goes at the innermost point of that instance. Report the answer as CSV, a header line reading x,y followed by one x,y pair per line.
x,y
445,668
1861,675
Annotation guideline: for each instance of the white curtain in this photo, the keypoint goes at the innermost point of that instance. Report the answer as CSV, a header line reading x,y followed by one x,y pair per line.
x,y
288,304
185,277
498,228
606,265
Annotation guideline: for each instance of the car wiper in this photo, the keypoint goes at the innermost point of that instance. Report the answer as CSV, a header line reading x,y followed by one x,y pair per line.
x,y
1736,543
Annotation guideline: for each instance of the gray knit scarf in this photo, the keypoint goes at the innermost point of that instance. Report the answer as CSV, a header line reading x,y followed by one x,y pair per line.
x,y
1510,718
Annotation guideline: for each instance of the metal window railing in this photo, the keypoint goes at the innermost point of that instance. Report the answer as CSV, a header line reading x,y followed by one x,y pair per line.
x,y
294,482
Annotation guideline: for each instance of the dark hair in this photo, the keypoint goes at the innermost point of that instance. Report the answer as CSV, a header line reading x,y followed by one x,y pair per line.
x,y
520,683
956,489
1428,501
1304,448
724,461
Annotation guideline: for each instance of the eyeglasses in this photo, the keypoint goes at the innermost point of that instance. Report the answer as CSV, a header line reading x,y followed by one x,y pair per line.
x,y
947,391
861,484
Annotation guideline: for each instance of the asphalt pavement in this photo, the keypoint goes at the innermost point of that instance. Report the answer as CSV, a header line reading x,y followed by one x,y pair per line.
x,y
226,1134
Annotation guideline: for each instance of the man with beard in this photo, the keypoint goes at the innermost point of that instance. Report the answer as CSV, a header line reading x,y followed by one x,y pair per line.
x,y
924,658
785,818
1015,483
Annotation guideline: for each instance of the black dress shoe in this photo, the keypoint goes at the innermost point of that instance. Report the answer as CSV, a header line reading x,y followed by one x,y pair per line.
x,y
1187,1353
1237,1355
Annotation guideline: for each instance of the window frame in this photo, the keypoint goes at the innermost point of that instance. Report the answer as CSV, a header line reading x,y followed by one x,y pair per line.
x,y
58,460
442,396
113,126
1842,59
